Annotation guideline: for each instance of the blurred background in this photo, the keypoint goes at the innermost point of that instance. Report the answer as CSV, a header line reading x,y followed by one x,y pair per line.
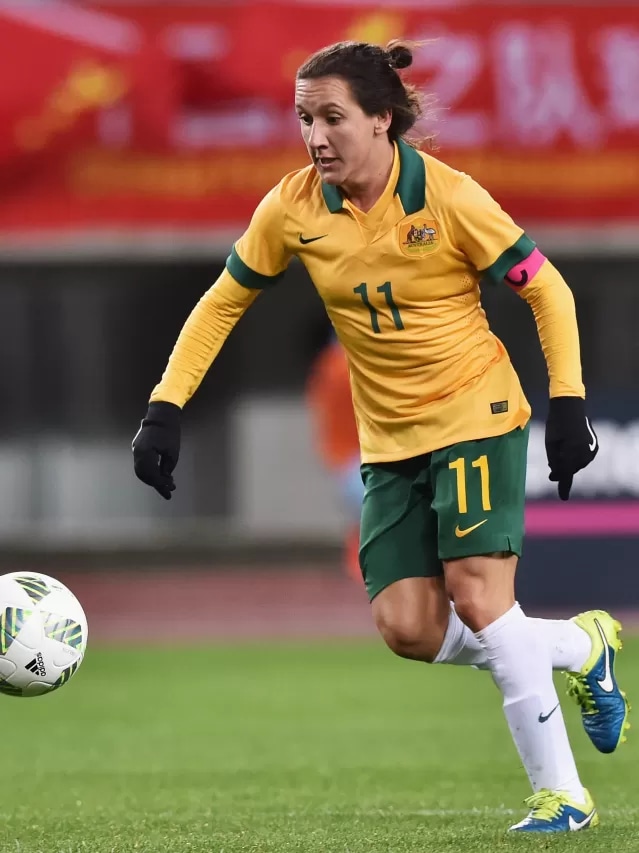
x,y
136,139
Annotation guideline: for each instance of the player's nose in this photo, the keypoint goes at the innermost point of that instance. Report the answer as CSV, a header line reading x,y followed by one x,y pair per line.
x,y
317,138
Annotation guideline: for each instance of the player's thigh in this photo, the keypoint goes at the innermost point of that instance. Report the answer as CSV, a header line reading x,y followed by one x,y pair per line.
x,y
479,495
398,534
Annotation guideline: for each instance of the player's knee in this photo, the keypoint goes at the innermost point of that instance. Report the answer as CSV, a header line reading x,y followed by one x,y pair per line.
x,y
409,638
474,610
471,597
482,588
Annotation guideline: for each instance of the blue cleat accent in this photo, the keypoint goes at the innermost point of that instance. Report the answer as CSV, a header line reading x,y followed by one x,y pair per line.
x,y
604,708
555,811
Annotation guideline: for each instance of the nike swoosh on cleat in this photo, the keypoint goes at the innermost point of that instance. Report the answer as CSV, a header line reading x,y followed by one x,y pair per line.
x,y
305,240
594,437
580,824
607,684
459,532
542,718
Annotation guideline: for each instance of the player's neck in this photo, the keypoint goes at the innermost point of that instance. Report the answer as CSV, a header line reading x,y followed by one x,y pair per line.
x,y
364,190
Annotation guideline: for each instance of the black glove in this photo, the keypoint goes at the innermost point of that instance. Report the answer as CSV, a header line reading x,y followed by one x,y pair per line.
x,y
571,443
156,447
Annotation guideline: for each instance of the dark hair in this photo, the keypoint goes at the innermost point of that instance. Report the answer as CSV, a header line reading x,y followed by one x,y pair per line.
x,y
371,72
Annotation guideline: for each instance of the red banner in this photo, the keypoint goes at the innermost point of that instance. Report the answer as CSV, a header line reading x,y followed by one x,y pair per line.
x,y
143,115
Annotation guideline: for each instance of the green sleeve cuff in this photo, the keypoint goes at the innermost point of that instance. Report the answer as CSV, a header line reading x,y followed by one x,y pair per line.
x,y
518,252
246,276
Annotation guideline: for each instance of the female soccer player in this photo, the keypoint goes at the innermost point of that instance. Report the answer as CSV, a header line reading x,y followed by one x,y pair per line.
x,y
396,243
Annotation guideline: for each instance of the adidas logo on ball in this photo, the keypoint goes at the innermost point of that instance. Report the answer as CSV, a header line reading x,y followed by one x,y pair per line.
x,y
36,666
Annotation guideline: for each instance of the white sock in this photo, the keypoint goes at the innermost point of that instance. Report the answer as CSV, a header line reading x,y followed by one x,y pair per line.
x,y
519,661
569,644
460,646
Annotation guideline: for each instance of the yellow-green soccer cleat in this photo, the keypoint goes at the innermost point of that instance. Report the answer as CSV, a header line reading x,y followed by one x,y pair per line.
x,y
604,708
555,811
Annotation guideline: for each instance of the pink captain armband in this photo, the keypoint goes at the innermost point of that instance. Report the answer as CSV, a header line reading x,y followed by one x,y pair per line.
x,y
525,270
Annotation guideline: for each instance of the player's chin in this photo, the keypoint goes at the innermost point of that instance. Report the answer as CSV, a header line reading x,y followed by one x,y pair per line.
x,y
331,173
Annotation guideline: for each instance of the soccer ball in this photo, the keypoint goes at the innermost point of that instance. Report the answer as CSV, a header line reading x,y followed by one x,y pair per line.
x,y
43,634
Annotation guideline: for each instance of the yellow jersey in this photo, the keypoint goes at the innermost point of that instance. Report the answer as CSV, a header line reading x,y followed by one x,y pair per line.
x,y
401,286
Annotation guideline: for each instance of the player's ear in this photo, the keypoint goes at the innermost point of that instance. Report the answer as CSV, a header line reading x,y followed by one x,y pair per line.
x,y
383,122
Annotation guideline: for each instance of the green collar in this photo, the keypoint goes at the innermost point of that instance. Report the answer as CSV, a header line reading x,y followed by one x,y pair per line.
x,y
411,184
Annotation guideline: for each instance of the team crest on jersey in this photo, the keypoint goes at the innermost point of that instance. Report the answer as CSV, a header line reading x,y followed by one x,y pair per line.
x,y
419,237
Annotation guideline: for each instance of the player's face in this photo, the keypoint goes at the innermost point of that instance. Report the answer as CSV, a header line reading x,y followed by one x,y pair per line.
x,y
338,134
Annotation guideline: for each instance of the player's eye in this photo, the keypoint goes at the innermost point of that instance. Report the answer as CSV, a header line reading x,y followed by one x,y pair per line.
x,y
307,120
333,119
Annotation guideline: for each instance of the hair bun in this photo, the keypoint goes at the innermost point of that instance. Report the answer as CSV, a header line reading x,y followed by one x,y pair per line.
x,y
399,54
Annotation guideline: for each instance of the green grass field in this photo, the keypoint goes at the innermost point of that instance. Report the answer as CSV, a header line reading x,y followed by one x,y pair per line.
x,y
318,749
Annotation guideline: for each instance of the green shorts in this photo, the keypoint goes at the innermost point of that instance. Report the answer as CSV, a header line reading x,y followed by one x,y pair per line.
x,y
462,501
